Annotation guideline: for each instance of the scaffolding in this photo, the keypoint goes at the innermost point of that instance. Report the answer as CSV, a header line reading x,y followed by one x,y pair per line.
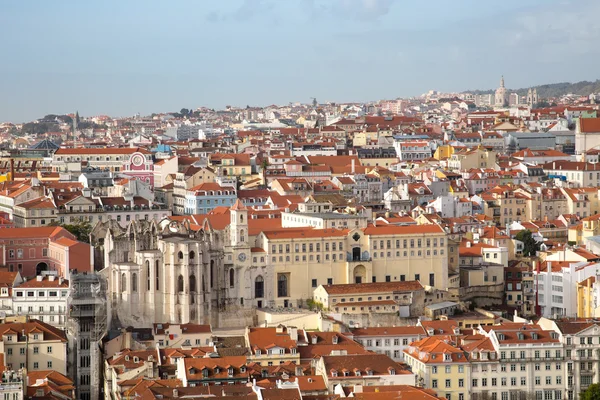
x,y
88,316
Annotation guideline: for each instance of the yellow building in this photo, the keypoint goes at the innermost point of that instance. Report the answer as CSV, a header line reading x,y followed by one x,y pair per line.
x,y
443,152
579,201
588,227
272,346
439,366
467,159
587,303
504,206
237,165
303,259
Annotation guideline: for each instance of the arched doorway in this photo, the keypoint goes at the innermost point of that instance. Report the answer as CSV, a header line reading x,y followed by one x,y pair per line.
x,y
41,267
360,274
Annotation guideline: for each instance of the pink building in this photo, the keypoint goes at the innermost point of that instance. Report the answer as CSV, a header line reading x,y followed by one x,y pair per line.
x,y
49,248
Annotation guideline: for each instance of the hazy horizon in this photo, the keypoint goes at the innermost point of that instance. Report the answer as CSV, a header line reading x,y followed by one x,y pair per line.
x,y
121,58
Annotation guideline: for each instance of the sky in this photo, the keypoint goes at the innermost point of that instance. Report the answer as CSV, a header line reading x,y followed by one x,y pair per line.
x,y
120,58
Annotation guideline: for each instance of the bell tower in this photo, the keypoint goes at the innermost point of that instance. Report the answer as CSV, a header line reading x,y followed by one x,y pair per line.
x,y
239,224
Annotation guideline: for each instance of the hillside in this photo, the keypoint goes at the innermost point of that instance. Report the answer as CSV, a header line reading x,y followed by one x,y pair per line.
x,y
583,88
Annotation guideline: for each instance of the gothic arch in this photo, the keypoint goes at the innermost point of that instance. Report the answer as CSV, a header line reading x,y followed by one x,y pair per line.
x,y
134,283
157,275
148,276
180,284
192,283
123,283
231,277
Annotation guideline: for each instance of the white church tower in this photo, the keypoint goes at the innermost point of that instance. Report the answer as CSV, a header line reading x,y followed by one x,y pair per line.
x,y
239,224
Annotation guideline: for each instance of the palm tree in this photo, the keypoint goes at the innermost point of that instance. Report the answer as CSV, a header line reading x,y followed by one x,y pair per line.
x,y
264,164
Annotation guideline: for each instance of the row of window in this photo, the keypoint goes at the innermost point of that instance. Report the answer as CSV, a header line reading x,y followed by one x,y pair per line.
x,y
419,242
40,293
522,354
334,257
20,253
310,258
36,365
22,350
386,342
304,247
41,309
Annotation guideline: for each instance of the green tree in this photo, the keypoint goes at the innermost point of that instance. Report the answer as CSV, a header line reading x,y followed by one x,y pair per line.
x,y
530,246
591,393
80,229
263,165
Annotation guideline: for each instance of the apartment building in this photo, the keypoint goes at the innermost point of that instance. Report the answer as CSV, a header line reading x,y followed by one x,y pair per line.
x,y
134,162
504,206
389,340
440,366
43,298
177,335
30,251
362,369
214,371
581,341
273,346
531,360
555,283
205,197
404,298
34,345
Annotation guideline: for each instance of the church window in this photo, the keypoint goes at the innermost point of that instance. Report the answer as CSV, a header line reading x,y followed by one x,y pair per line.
x,y
148,275
192,283
134,283
242,235
180,284
192,255
212,271
123,283
180,255
231,277
156,272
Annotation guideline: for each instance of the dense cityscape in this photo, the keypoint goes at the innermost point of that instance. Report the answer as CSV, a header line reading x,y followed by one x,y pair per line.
x,y
445,246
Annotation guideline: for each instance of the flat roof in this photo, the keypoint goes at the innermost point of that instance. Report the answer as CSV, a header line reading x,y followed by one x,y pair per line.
x,y
441,305
326,215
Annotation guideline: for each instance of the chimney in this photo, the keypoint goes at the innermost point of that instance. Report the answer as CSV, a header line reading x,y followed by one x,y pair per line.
x,y
352,166
293,331
549,266
39,278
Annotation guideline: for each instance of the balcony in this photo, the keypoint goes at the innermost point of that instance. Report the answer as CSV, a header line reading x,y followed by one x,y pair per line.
x,y
65,211
365,256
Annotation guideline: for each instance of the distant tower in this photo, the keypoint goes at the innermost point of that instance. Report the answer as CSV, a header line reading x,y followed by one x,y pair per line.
x,y
532,97
75,122
501,98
